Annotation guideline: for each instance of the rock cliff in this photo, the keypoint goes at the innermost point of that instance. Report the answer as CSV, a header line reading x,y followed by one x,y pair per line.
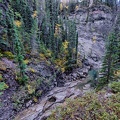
x,y
93,25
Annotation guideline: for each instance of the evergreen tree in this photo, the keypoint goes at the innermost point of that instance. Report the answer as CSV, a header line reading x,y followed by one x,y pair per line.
x,y
19,53
111,59
58,33
20,58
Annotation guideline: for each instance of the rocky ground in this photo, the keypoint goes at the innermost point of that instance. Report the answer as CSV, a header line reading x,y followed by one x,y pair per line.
x,y
17,97
56,97
42,80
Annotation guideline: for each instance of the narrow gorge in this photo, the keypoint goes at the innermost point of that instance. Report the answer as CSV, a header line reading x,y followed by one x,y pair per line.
x,y
91,47
54,51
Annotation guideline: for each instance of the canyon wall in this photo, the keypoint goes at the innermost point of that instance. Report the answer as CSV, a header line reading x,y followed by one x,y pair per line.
x,y
93,27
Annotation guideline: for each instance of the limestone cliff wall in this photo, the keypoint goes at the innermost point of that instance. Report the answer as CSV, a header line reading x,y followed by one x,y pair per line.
x,y
93,28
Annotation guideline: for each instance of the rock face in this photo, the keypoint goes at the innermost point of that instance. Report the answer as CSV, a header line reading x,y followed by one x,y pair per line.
x,y
93,27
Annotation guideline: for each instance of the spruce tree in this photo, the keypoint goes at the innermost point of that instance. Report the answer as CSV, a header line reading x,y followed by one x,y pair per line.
x,y
19,51
110,62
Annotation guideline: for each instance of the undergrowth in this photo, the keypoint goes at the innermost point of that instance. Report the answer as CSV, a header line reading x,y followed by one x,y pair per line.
x,y
92,106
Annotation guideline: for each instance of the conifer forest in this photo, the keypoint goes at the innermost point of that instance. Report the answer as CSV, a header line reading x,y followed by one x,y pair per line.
x,y
59,59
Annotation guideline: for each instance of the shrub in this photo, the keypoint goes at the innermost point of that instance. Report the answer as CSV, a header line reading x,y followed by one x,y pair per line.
x,y
92,106
3,86
115,86
1,55
9,55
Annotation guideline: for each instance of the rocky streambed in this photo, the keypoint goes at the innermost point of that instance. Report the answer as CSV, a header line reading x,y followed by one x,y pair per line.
x,y
53,99
43,87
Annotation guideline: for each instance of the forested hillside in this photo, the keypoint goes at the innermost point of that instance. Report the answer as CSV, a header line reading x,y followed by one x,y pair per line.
x,y
51,50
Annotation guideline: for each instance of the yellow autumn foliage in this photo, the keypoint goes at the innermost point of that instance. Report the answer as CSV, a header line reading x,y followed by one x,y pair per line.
x,y
77,7
32,70
42,56
17,23
4,36
58,25
45,55
79,63
74,50
57,30
1,55
60,64
30,89
65,44
94,39
117,73
48,53
65,52
66,7
8,54
35,99
62,58
61,6
63,69
34,14
26,61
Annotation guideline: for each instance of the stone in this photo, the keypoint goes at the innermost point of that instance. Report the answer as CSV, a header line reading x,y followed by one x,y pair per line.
x,y
86,87
3,66
107,95
86,62
6,64
28,103
74,75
